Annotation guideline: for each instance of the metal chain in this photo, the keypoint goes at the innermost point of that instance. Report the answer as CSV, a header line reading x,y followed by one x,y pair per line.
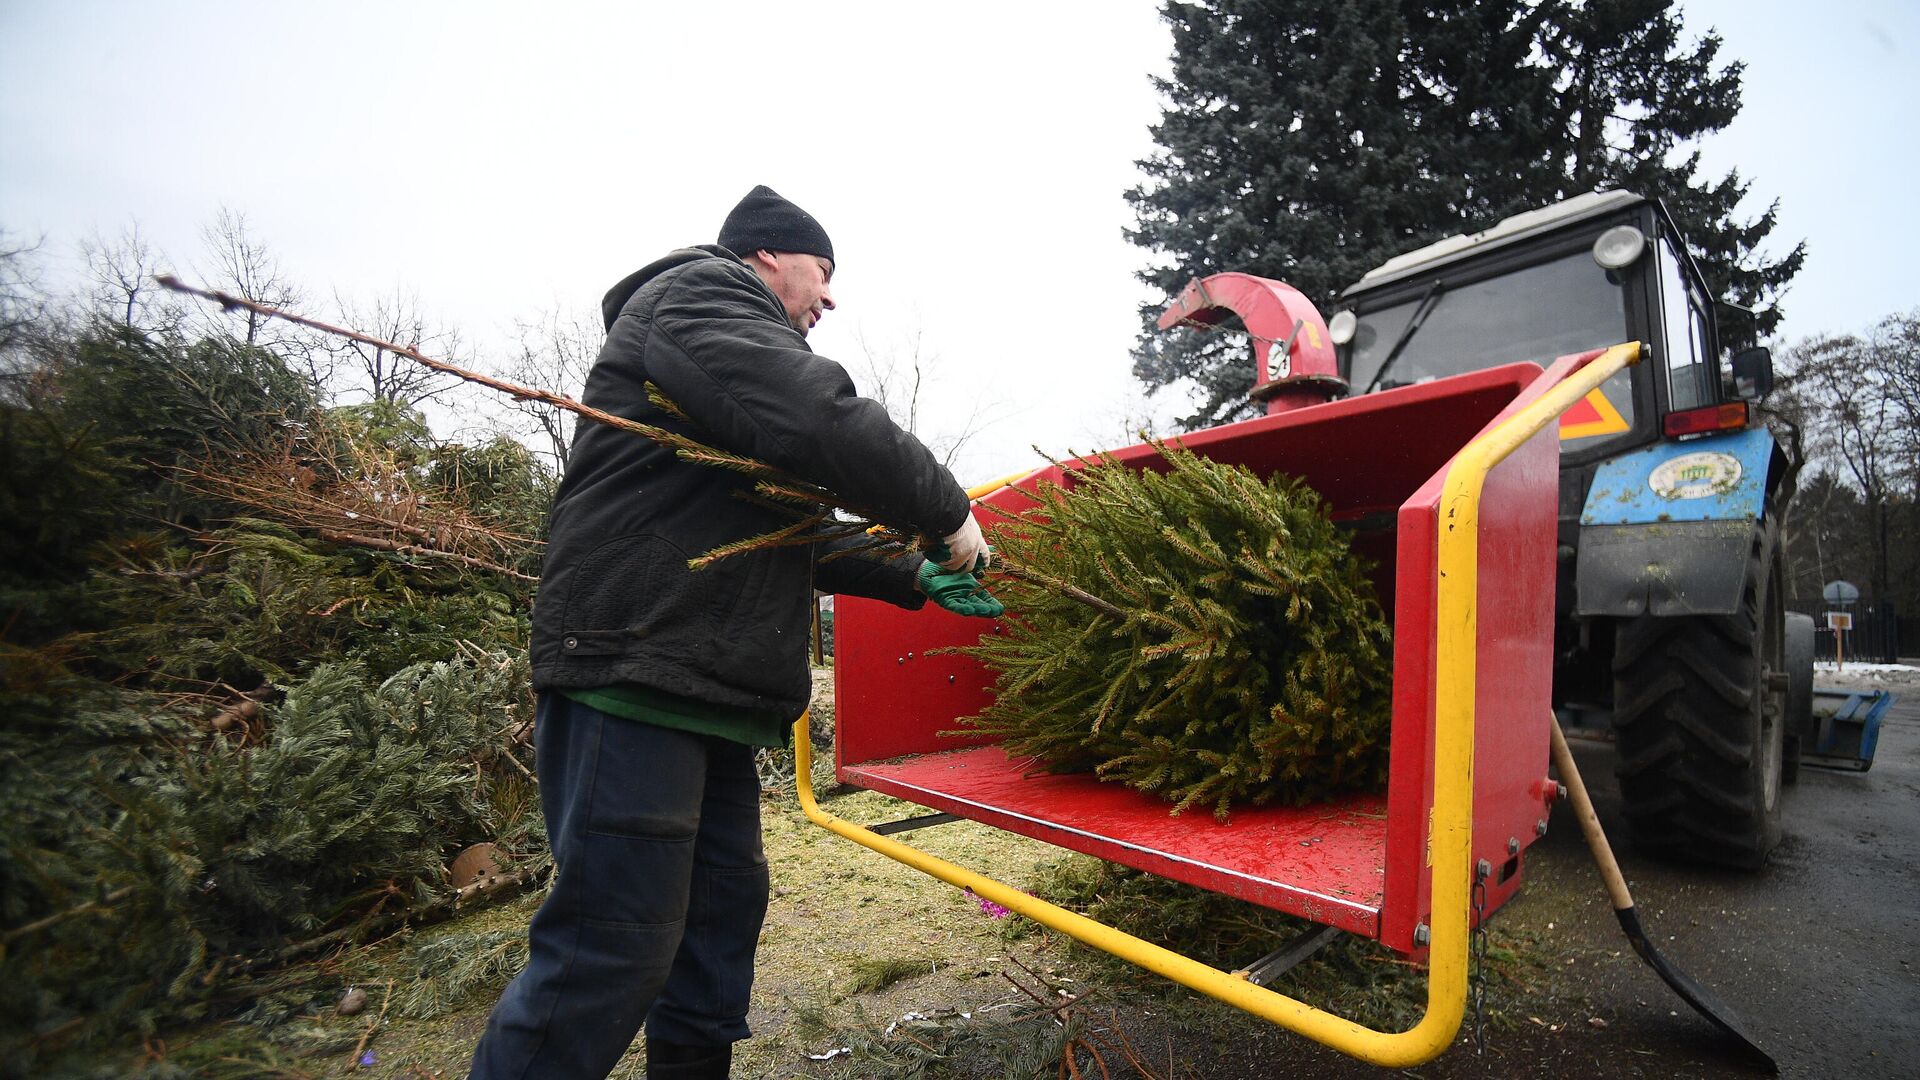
x,y
1479,954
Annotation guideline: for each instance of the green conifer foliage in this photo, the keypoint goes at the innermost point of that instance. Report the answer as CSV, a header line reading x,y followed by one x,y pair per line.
x,y
1254,663
206,866
242,723
1310,140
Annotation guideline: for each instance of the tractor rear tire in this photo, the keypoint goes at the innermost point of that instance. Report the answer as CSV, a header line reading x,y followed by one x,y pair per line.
x,y
1800,730
1701,723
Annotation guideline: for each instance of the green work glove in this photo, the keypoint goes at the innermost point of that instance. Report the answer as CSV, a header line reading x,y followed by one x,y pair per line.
x,y
960,592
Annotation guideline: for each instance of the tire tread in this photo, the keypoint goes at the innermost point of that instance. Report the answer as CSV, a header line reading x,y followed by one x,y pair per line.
x,y
1684,704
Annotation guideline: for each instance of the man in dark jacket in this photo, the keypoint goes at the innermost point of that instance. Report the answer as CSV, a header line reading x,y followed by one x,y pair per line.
x,y
656,682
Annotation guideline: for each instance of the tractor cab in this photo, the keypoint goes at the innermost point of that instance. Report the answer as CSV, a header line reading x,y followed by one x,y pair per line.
x,y
1581,274
1670,493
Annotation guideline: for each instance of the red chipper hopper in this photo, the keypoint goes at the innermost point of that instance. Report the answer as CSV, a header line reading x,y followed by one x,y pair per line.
x,y
1450,488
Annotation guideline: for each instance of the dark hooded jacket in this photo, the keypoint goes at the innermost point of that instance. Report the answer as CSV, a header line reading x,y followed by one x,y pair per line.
x,y
617,603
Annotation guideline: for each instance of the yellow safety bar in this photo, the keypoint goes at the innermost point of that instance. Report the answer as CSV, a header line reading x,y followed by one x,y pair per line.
x,y
980,491
1452,840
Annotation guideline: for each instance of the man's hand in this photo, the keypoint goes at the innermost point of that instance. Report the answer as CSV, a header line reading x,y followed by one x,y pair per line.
x,y
963,549
961,593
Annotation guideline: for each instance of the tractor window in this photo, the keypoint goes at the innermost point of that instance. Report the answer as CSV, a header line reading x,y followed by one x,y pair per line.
x,y
1538,313
1689,367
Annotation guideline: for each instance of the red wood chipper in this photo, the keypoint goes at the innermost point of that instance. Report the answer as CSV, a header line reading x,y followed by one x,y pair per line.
x,y
1450,488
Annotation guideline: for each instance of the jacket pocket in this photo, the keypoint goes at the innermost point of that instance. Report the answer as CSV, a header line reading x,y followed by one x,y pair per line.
x,y
600,642
628,590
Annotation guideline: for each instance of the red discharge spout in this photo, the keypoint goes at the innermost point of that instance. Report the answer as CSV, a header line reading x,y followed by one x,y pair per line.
x,y
1304,372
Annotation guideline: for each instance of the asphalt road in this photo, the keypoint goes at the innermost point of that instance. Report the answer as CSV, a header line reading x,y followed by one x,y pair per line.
x,y
1820,952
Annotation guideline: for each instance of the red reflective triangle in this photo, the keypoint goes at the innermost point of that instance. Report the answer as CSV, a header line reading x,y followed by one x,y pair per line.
x,y
1591,415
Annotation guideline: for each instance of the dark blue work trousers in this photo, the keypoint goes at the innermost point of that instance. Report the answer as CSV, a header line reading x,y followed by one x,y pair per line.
x,y
657,901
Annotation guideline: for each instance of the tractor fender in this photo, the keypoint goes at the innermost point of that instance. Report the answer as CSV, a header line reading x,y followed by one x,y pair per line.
x,y
1666,530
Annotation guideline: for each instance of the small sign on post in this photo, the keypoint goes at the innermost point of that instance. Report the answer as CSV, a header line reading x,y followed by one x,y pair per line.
x,y
1839,622
1846,594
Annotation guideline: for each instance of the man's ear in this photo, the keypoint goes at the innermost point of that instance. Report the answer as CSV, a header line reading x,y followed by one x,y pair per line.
x,y
768,259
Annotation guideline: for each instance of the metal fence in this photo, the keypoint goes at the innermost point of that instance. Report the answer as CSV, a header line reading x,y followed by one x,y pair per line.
x,y
1879,634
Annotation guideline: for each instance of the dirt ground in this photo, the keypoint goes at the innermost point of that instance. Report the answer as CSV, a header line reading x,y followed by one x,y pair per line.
x,y
1820,953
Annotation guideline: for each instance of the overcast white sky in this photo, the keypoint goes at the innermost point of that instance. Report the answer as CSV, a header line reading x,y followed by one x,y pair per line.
x,y
968,161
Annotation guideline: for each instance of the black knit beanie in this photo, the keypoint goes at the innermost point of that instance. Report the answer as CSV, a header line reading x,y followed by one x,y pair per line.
x,y
765,221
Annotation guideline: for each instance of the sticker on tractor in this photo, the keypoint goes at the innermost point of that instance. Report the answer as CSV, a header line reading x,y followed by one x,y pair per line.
x,y
1591,415
1694,476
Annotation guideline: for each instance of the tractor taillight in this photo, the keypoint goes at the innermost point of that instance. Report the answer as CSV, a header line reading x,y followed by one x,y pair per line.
x,y
1729,417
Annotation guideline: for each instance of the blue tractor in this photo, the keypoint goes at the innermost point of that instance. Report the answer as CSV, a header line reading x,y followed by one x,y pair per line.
x,y
1670,607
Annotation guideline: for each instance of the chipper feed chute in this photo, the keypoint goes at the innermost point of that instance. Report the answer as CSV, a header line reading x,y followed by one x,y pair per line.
x,y
1450,488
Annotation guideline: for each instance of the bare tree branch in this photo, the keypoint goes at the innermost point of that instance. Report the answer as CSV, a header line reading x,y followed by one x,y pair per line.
x,y
120,272
1841,388
901,376
1895,349
244,267
557,349
394,318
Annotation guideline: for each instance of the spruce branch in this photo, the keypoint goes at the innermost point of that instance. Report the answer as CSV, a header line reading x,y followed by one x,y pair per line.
x,y
318,480
1053,584
666,404
878,548
98,903
789,496
787,536
374,542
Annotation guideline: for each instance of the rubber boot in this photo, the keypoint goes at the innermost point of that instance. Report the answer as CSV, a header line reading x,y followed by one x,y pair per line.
x,y
678,1061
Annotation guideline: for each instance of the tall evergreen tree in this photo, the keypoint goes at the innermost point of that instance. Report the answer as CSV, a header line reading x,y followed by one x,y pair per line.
x,y
1309,140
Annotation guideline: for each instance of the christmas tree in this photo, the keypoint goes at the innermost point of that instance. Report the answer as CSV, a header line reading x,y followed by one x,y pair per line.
x,y
1237,654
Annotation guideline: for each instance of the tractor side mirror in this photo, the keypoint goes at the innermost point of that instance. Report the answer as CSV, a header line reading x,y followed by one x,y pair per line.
x,y
1753,373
